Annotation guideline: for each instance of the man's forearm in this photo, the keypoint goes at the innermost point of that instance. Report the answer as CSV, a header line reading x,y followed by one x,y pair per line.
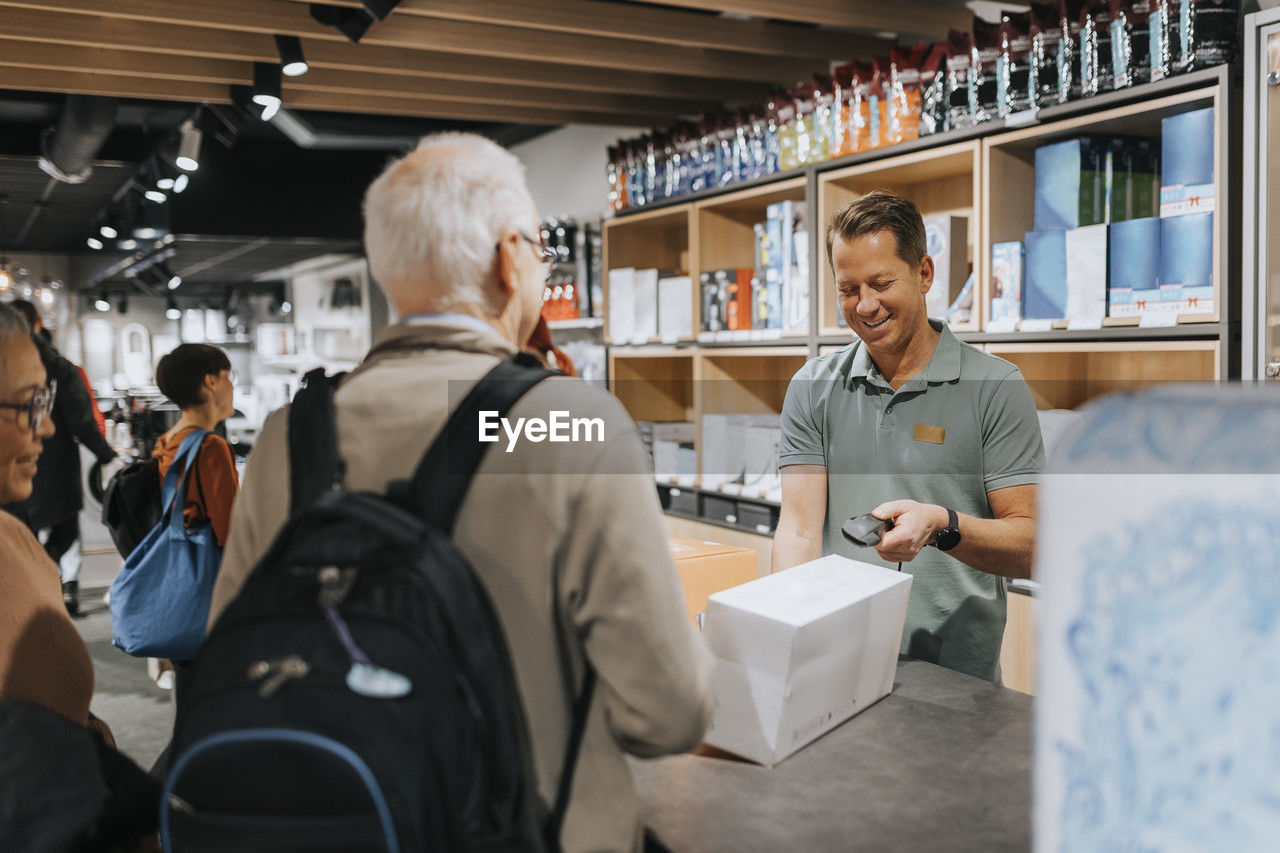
x,y
997,546
791,548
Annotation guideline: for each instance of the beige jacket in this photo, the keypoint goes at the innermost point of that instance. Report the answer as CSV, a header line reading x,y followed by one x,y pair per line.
x,y
586,509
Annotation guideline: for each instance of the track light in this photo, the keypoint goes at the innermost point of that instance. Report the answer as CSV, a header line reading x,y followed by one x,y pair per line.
x,y
285,307
266,86
128,245
94,243
380,9
292,62
180,184
352,23
164,184
101,303
171,311
189,147
155,196
108,232
171,279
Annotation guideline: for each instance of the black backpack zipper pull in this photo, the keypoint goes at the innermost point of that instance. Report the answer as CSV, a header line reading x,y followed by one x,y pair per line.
x,y
274,673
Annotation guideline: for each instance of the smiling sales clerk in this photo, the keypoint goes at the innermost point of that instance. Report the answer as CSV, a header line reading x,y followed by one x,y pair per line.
x,y
912,425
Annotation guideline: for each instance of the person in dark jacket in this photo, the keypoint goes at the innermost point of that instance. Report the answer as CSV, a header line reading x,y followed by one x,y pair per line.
x,y
53,510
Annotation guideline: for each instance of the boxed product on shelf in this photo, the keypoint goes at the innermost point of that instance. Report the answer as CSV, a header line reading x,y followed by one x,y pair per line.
x,y
1130,42
1013,66
1134,188
675,308
1208,32
670,445
796,287
622,304
1006,286
713,293
738,449
1186,163
1069,183
946,240
787,670
726,299
707,568
1086,253
1133,264
1049,55
738,300
1044,282
645,324
1186,262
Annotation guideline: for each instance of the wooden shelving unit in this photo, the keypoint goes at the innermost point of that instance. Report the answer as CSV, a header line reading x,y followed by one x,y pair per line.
x,y
985,174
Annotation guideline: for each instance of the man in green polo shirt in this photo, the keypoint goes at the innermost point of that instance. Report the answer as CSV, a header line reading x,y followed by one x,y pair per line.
x,y
912,425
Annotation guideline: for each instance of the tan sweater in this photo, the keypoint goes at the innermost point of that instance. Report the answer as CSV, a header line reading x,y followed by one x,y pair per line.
x,y
43,660
588,512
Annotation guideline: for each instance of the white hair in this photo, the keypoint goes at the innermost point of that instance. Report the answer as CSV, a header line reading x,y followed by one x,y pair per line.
x,y
432,223
12,323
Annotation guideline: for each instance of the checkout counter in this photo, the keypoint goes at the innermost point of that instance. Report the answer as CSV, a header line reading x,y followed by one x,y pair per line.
x,y
942,763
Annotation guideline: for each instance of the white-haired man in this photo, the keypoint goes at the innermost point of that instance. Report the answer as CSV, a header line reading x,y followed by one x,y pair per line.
x,y
575,527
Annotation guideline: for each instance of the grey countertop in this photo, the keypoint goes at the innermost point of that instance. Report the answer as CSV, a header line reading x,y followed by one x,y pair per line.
x,y
942,763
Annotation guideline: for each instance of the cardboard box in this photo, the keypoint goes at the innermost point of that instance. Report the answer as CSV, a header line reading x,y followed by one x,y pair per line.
x,y
799,652
708,567
1186,163
947,242
738,299
713,302
1006,286
1044,283
622,304
1133,262
646,306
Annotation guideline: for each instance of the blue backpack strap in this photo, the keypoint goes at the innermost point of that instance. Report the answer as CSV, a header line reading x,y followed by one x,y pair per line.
x,y
314,464
174,488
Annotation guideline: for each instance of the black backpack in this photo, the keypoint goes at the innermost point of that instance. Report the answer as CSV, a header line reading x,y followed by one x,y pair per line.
x,y
130,502
358,694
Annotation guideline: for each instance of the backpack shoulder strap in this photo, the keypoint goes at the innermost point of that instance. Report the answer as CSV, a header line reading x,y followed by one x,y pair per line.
x,y
314,464
440,482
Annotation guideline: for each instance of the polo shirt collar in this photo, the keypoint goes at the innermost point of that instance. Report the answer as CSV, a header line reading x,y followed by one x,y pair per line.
x,y
943,366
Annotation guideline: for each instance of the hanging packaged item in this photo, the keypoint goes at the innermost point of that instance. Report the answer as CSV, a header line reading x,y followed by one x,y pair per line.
x,y
861,106
1095,48
985,58
1207,32
1165,47
787,158
843,138
742,145
961,80
933,90
1013,87
1070,22
615,173
1130,42
904,92
773,134
878,103
1045,87
635,174
805,104
726,169
757,155
824,99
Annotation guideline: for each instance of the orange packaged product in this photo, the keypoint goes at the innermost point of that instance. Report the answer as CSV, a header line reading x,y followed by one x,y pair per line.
x,y
861,108
842,136
878,103
904,92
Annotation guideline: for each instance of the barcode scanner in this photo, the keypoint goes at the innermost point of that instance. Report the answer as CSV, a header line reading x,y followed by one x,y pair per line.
x,y
866,530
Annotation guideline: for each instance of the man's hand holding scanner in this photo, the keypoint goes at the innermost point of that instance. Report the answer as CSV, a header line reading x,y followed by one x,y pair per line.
x,y
915,526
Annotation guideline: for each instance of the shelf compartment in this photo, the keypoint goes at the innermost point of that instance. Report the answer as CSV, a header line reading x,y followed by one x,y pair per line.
x,y
657,239
1065,375
1009,163
946,180
654,383
747,380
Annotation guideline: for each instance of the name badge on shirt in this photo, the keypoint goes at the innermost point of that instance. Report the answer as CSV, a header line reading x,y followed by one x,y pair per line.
x,y
931,434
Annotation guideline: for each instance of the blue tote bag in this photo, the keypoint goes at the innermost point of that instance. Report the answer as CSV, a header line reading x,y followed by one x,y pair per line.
x,y
160,599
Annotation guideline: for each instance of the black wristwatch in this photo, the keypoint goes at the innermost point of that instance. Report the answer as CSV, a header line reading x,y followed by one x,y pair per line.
x,y
949,536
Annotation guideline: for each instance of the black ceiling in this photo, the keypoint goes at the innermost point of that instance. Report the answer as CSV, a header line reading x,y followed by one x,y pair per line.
x,y
258,202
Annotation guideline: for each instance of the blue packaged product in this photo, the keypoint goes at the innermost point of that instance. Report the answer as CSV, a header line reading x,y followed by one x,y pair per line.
x,y
1186,251
1044,281
1186,163
1069,189
1135,254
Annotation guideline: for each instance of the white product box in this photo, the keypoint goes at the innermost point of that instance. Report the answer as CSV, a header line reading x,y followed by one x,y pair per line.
x,y
1087,274
947,242
675,308
622,304
646,306
801,651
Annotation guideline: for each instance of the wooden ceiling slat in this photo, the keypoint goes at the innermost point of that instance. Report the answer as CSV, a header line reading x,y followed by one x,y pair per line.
x,y
61,57
135,86
102,32
445,36
645,23
904,16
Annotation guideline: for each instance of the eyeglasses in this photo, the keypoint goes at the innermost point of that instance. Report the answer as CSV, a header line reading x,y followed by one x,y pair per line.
x,y
38,407
546,254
